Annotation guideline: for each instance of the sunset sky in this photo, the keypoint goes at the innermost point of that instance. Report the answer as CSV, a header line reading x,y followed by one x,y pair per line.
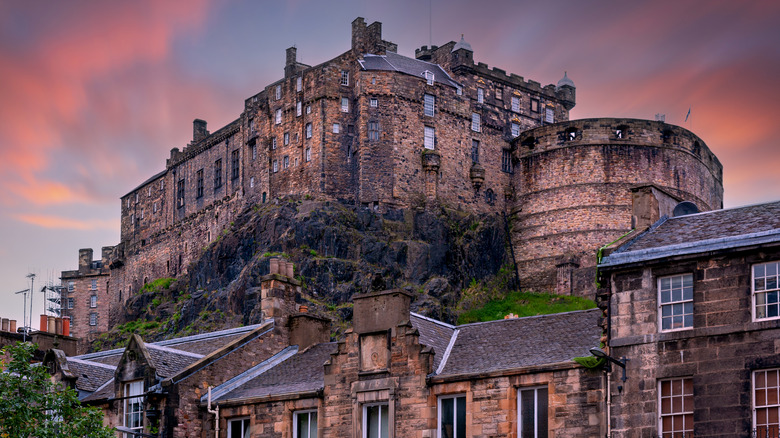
x,y
94,94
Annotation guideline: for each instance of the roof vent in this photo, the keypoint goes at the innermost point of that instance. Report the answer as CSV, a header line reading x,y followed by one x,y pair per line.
x,y
685,208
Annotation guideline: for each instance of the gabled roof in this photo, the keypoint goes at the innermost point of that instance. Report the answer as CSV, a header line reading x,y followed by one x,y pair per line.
x,y
90,375
701,232
435,334
415,67
169,361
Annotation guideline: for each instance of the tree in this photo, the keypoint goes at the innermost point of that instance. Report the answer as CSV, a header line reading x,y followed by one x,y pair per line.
x,y
32,405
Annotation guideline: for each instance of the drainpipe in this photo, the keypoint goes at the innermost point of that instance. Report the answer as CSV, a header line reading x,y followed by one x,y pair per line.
x,y
609,407
214,411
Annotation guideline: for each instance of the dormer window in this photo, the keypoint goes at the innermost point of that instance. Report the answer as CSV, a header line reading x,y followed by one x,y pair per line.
x,y
428,77
344,77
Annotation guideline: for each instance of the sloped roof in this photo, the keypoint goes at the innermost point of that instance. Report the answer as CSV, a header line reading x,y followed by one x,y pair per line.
x,y
435,334
90,375
168,361
415,67
522,342
702,232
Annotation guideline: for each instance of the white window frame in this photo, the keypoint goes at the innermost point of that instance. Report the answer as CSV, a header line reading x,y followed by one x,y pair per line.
x,y
373,102
429,105
93,317
307,154
70,303
429,77
669,288
93,283
278,92
254,151
298,108
515,104
133,405
765,404
476,122
515,129
286,138
299,83
276,166
93,301
454,398
251,181
480,95
71,286
429,138
278,116
344,77
365,418
308,130
661,416
344,104
273,143
312,432
761,290
336,128
537,433
242,422
285,162
308,109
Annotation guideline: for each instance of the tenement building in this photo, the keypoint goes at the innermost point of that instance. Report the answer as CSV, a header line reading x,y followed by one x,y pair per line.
x,y
85,295
381,130
693,304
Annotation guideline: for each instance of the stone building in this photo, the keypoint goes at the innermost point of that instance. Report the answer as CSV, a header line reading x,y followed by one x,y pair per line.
x,y
85,296
692,304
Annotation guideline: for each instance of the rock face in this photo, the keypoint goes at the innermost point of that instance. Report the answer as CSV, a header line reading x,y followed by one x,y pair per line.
x,y
338,251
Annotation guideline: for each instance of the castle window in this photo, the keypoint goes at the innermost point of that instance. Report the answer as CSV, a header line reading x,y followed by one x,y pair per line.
x,y
373,131
475,151
305,424
307,154
278,93
475,122
299,84
308,109
675,410
251,181
93,301
515,127
549,115
278,117
344,77
162,184
298,108
344,105
428,77
516,104
532,412
180,193
234,161
132,219
535,105
93,286
452,416
430,138
286,162
199,193
286,138
136,198
71,286
429,104
276,166
376,423
336,128
273,143
250,124
71,301
142,214
253,148
308,130
675,302
128,203
217,174
480,95
238,428
667,136
766,291
571,134
621,132
373,102
154,208
93,318
149,192
766,405
499,93
506,161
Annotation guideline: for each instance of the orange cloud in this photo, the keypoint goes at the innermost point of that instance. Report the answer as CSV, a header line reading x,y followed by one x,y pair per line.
x,y
63,223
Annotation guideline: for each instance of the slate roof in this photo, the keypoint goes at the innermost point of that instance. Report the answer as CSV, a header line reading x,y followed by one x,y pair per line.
x,y
435,334
522,342
415,67
90,375
168,361
701,232
301,372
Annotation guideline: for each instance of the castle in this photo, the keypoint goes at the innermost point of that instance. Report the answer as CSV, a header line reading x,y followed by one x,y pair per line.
x,y
383,131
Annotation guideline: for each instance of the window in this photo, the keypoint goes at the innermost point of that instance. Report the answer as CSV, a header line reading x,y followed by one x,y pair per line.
x,y
238,428
298,108
373,102
506,161
149,192
132,219
344,77
142,214
273,143
344,105
71,286
217,174
134,407
93,285
305,424
452,416
286,137
499,94
475,151
234,161
308,109
549,115
154,208
675,302
532,411
336,128
251,181
286,162
480,95
535,105
253,148
93,318
373,131
70,303
278,117
571,134
180,193
307,154
128,203
250,123
430,138
278,93
516,104
136,198
429,104
428,77
515,128
276,166
475,122
375,421
93,301
199,177
299,84
766,404
675,407
162,184
308,130
766,290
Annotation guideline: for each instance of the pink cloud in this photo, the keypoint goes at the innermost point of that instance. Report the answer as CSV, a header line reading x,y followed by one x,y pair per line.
x,y
63,223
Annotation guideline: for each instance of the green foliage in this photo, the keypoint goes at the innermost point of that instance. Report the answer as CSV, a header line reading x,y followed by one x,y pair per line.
x,y
32,405
137,326
590,362
158,285
524,304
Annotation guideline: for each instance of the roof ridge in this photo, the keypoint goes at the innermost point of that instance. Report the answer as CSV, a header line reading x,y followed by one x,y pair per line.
x,y
89,362
527,317
252,372
174,350
721,210
435,321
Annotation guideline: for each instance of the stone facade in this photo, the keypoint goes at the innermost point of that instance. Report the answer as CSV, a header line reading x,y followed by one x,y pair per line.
x,y
86,299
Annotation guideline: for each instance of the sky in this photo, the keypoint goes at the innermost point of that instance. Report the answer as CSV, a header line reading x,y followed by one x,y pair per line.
x,y
94,94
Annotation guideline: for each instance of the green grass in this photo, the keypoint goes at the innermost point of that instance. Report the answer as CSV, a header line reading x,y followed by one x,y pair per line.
x,y
525,304
158,285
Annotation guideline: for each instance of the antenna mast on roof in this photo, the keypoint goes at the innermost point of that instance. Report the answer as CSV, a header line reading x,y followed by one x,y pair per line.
x,y
430,23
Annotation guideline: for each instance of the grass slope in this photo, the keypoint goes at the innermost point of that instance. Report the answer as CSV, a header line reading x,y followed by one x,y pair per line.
x,y
525,304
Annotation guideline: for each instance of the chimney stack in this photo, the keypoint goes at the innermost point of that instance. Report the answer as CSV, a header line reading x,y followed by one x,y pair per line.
x,y
199,131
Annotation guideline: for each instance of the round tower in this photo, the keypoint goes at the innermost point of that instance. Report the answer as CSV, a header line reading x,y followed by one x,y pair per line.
x,y
580,184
